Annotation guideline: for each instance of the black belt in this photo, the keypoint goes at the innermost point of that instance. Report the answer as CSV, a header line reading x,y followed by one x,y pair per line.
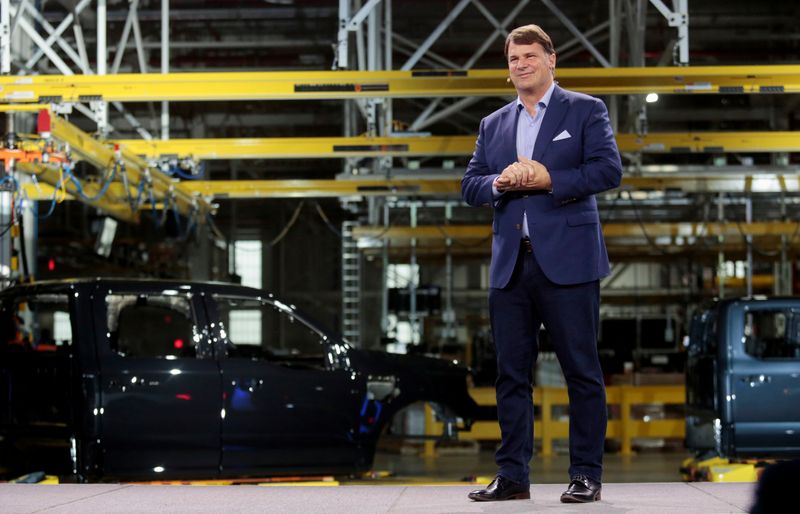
x,y
526,245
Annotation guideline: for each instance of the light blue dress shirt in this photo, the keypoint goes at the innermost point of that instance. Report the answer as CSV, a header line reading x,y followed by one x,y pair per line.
x,y
527,130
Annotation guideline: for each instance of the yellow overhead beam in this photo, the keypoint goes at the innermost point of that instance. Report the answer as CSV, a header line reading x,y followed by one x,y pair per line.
x,y
240,189
710,142
714,182
337,85
610,231
618,250
442,146
265,189
301,147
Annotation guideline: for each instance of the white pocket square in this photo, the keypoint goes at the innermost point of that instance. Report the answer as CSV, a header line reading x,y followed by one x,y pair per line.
x,y
564,135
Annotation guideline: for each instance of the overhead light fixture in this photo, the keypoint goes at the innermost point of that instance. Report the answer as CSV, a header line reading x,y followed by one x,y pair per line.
x,y
651,97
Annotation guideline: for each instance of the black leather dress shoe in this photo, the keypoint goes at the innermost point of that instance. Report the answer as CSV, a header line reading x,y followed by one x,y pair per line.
x,y
501,489
582,489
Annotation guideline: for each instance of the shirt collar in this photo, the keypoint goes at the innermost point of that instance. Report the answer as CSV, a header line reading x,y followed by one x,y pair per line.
x,y
545,100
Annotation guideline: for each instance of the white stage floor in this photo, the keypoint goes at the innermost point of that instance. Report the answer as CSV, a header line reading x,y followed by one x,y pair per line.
x,y
660,498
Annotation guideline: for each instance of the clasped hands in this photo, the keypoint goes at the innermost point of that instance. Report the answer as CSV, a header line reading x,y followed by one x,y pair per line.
x,y
525,174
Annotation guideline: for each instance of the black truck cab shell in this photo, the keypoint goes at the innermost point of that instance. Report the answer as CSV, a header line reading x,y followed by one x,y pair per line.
x,y
144,379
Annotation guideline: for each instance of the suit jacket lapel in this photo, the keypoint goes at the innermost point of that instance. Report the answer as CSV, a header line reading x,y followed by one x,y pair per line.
x,y
508,126
553,115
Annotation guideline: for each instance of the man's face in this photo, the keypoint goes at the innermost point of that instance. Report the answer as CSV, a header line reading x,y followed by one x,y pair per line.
x,y
530,67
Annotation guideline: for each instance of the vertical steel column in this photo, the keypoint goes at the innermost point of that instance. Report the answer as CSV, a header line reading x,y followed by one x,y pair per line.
x,y
374,127
351,285
385,276
636,20
30,231
387,64
5,37
80,42
749,239
614,37
101,108
785,280
342,48
373,40
449,314
164,64
680,19
6,197
683,32
412,283
721,241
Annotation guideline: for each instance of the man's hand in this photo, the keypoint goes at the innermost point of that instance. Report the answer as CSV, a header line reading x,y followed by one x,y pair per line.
x,y
525,174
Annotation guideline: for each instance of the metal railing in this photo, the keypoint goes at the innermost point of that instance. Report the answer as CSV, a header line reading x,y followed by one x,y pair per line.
x,y
548,427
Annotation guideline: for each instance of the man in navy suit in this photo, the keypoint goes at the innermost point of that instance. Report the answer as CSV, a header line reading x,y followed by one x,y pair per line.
x,y
538,162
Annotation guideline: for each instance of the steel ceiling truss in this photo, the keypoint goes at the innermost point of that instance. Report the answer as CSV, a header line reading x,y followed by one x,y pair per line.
x,y
422,51
49,42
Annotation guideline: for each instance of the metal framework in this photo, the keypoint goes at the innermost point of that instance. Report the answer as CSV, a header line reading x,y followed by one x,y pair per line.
x,y
368,92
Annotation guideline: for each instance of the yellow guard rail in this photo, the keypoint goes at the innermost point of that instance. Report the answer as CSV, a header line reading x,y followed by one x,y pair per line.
x,y
548,428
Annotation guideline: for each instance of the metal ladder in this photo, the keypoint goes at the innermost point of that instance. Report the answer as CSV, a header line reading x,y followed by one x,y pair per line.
x,y
351,285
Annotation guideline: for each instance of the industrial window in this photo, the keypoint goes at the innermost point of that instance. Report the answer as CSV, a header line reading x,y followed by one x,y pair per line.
x,y
245,326
152,325
398,328
38,322
247,262
772,334
282,339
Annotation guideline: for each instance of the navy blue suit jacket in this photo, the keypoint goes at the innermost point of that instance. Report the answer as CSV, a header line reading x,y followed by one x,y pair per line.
x,y
564,225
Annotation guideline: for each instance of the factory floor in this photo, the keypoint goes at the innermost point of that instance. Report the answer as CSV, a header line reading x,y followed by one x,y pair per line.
x,y
453,465
655,498
648,482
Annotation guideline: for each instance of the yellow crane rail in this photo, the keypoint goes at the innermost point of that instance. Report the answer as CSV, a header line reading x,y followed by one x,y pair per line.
x,y
442,146
240,189
672,230
264,189
336,85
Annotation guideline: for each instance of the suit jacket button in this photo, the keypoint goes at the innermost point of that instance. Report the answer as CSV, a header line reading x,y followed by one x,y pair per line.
x,y
524,196
519,226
